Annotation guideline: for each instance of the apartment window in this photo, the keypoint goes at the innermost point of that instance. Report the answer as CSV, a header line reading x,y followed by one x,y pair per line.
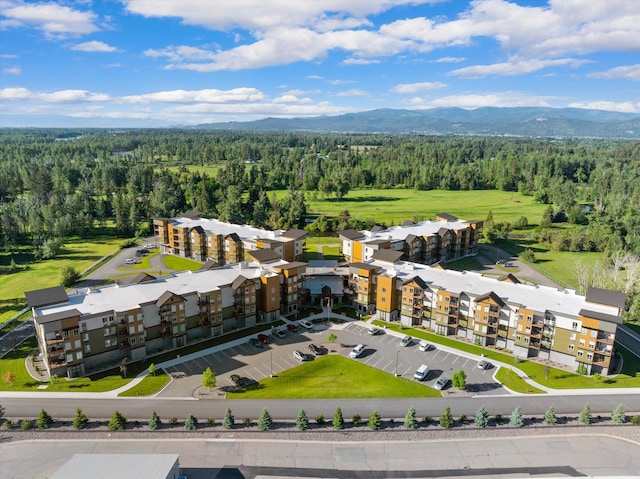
x,y
592,345
104,320
181,306
130,318
518,338
79,355
582,343
571,348
87,348
70,358
65,334
580,353
594,333
106,331
132,341
519,327
572,337
589,356
574,326
132,329
107,343
67,346
83,326
526,340
77,344
140,328
139,316
85,337
383,300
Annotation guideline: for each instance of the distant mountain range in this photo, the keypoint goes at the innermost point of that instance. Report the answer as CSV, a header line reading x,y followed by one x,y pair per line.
x,y
525,121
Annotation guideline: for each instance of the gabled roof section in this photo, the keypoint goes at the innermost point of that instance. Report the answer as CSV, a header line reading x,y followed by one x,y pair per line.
x,y
410,238
439,265
58,316
198,229
46,296
446,217
601,316
605,296
294,234
443,231
351,234
210,264
492,296
418,280
509,278
191,215
166,296
239,281
377,228
233,236
141,278
387,256
264,255
408,223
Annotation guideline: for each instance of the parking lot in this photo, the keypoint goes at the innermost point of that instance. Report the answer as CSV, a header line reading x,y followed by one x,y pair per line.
x,y
382,351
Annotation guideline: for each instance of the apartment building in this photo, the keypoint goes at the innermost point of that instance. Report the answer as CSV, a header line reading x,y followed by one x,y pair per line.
x,y
97,328
427,242
201,239
530,321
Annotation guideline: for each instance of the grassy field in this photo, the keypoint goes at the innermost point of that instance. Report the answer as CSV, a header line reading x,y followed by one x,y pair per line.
x,y
556,379
43,274
465,264
515,383
331,377
180,264
144,263
149,385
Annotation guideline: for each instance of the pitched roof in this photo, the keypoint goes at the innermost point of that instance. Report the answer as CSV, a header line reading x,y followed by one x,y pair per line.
x,y
440,265
446,216
198,229
351,234
491,295
408,223
164,297
602,316
377,228
239,281
443,231
294,234
264,255
46,296
293,264
605,296
48,318
233,236
370,267
510,278
191,215
387,255
210,264
410,238
140,278
418,280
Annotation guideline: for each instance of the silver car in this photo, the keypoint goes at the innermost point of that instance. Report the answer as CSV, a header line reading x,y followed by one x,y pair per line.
x,y
406,341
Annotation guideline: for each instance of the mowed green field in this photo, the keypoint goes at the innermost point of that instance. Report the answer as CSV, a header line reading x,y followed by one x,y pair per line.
x,y
43,274
396,206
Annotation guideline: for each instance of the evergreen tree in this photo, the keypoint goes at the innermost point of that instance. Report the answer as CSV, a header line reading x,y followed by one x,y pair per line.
x,y
446,420
264,421
516,419
191,423
338,420
410,420
154,421
459,380
481,419
80,420
117,421
550,417
44,421
228,421
618,416
209,378
302,421
375,421
585,415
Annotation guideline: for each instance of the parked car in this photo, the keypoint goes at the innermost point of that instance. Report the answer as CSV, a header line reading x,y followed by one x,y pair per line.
x,y
280,333
129,261
425,346
441,383
406,341
374,331
357,351
237,380
308,325
263,338
316,349
299,355
422,373
484,364
292,328
255,342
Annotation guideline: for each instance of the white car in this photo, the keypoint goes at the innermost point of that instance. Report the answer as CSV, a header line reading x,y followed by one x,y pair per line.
x,y
424,346
299,355
129,261
308,325
406,341
357,351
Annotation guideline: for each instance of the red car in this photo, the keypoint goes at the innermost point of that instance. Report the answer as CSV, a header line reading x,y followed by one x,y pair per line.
x,y
292,328
263,338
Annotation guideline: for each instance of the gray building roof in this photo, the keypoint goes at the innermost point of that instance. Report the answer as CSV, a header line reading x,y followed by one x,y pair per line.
x,y
110,466
46,296
264,255
605,296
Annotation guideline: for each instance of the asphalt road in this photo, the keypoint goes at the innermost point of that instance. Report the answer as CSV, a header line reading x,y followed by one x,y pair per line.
x,y
556,456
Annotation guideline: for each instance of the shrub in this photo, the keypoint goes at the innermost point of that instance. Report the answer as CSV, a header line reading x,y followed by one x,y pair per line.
x,y
247,422
154,421
585,415
69,276
117,421
25,424
375,421
173,421
264,421
191,423
44,421
320,419
550,417
481,419
228,420
463,419
617,416
581,369
459,380
356,420
410,420
338,420
428,420
302,421
516,419
211,421
80,420
635,420
446,420
499,419
8,424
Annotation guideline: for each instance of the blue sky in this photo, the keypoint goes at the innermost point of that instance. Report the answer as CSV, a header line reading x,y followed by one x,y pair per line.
x,y
184,62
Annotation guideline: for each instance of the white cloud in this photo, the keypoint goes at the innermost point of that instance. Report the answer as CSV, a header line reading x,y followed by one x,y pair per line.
x,y
626,106
360,61
450,60
352,92
291,98
495,99
93,46
197,96
514,67
417,87
55,21
61,96
12,70
629,72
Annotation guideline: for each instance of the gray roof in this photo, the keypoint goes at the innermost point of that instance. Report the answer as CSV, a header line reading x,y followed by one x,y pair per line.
x,y
387,255
351,234
109,466
57,316
605,296
601,316
46,296
191,215
294,234
447,216
210,264
264,255
140,278
164,297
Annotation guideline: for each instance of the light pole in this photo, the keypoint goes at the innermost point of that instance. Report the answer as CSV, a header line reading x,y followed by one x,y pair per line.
x,y
397,355
271,364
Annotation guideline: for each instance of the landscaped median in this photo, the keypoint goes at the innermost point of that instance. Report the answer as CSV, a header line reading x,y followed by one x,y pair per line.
x,y
544,375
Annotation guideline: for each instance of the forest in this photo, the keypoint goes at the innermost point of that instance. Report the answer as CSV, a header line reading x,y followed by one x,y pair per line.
x,y
57,183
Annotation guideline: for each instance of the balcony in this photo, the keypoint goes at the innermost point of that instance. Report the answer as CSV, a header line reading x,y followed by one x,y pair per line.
x,y
605,338
123,332
166,333
124,344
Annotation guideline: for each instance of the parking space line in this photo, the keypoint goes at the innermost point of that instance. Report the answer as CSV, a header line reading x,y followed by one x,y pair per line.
x,y
387,365
465,363
186,365
199,363
377,362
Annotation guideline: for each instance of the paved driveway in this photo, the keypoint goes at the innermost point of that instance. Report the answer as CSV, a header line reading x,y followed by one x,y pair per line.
x,y
382,352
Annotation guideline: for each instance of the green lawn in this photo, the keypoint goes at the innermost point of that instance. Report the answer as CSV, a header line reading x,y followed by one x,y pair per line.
x,y
149,385
515,383
330,377
465,264
15,362
180,264
557,378
323,240
144,263
331,252
43,274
